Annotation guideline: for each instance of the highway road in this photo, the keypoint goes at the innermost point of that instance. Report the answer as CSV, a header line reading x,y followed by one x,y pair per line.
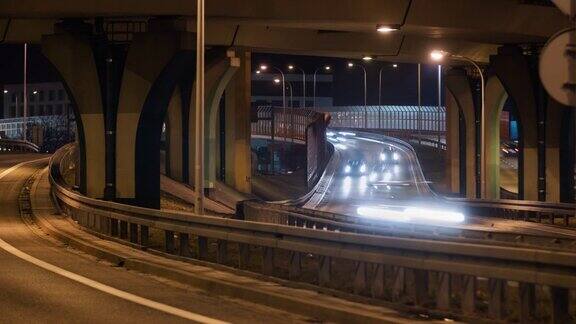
x,y
44,281
380,177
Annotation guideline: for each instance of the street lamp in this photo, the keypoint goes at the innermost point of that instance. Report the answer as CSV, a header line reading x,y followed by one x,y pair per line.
x,y
351,65
292,67
439,55
387,28
380,93
326,68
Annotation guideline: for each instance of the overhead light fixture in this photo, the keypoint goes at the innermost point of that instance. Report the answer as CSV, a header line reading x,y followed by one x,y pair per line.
x,y
438,55
290,67
367,58
394,65
327,68
387,28
350,64
276,80
5,91
34,92
258,72
263,67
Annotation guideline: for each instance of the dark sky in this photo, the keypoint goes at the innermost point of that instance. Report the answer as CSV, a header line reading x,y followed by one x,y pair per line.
x,y
399,85
11,65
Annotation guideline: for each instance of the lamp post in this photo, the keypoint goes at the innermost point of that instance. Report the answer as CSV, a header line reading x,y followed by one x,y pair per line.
x,y
292,67
351,65
439,55
25,107
380,92
326,68
199,156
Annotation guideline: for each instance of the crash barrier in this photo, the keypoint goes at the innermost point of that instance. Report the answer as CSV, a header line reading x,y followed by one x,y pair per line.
x,y
13,145
457,279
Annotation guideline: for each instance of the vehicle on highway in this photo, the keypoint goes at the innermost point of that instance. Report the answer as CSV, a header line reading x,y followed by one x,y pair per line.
x,y
355,167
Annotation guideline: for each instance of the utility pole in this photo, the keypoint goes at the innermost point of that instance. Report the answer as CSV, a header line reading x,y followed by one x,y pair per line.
x,y
199,156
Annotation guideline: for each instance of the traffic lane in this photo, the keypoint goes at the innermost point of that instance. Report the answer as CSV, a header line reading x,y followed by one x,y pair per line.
x,y
9,160
30,293
402,186
387,177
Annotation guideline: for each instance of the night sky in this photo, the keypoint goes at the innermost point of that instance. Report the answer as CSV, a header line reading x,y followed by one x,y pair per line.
x,y
399,85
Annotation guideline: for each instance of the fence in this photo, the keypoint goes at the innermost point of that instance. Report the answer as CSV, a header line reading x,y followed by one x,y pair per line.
x,y
426,119
459,279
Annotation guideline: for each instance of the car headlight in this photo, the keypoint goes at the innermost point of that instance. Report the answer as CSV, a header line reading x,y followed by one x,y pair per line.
x,y
347,169
363,168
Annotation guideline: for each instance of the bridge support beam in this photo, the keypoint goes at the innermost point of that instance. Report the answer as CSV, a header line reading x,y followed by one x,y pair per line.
x,y
74,58
511,74
461,136
238,131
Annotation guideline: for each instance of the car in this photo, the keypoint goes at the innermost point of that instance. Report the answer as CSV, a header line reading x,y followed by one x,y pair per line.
x,y
355,166
389,156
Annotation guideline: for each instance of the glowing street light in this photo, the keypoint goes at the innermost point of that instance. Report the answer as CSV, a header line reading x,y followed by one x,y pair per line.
x,y
263,67
387,28
326,68
437,55
351,65
394,65
258,72
291,67
367,58
276,80
5,91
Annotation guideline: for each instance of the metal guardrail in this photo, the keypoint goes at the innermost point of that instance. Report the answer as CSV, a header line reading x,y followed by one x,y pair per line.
x,y
13,145
422,120
561,214
402,270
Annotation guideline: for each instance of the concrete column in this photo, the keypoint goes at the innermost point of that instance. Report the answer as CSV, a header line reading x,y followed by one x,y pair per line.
x,y
174,136
238,131
147,56
495,98
460,99
217,80
452,144
511,74
73,57
554,114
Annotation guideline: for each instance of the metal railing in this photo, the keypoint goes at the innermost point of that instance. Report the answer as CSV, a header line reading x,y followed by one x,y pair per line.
x,y
424,120
283,124
453,278
14,145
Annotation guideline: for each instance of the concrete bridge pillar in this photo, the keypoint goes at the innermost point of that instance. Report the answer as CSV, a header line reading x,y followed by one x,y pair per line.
x,y
74,57
542,121
461,136
238,130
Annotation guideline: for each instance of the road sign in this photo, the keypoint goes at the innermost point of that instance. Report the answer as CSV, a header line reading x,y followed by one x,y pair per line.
x,y
558,67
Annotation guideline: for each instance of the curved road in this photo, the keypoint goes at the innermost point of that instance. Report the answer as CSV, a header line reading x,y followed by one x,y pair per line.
x,y
43,281
391,187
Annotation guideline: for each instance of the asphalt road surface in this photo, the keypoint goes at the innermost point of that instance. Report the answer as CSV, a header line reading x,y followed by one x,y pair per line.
x,y
43,281
380,177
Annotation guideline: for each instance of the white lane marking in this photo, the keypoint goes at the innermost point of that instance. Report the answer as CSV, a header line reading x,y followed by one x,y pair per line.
x,y
107,289
97,285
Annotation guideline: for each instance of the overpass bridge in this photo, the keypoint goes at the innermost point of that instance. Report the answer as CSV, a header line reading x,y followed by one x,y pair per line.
x,y
129,69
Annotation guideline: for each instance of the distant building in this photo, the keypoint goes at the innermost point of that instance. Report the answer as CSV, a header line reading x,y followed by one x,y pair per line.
x,y
44,99
50,118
